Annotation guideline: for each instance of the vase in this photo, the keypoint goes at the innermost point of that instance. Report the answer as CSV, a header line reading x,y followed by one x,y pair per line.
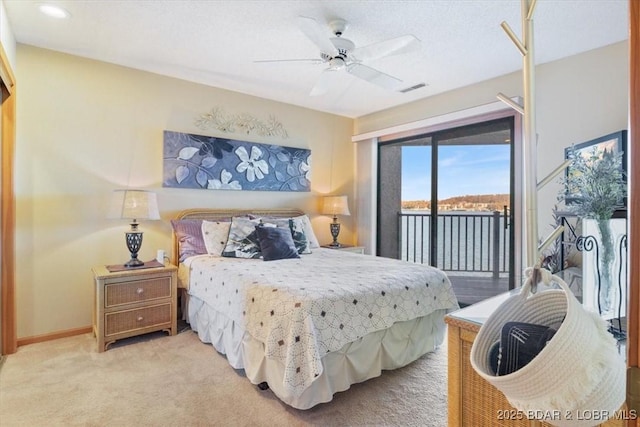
x,y
604,285
607,288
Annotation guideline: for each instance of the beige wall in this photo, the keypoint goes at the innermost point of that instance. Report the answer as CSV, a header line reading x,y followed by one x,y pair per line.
x,y
85,128
577,99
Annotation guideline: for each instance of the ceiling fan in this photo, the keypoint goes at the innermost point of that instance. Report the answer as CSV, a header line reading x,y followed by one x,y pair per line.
x,y
341,54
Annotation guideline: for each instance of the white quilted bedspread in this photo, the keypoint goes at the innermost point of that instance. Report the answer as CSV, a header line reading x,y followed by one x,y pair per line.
x,y
303,308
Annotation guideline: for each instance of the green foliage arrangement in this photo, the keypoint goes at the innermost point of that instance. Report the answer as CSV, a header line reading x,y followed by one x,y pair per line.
x,y
595,186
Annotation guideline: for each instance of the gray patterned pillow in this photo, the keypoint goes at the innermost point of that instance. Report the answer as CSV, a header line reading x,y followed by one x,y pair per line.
x,y
243,240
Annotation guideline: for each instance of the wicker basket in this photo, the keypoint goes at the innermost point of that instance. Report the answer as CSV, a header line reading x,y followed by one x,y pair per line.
x,y
576,376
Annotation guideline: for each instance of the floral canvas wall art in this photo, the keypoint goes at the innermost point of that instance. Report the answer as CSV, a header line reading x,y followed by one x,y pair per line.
x,y
207,162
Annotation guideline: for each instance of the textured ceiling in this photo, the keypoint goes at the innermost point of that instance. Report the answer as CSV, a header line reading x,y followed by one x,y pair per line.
x,y
216,42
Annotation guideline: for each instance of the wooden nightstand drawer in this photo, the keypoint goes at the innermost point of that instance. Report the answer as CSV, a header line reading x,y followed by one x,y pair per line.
x,y
116,294
130,320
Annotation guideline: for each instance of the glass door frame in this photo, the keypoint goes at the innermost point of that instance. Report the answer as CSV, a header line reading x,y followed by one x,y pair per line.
x,y
516,213
436,137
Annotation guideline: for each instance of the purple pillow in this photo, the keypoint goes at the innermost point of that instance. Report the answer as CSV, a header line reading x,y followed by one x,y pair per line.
x,y
189,235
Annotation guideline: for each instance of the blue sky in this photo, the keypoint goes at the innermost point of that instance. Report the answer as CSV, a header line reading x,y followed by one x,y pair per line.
x,y
463,169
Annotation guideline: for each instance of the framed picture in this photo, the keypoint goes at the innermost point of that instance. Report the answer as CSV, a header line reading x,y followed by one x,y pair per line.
x,y
613,143
212,163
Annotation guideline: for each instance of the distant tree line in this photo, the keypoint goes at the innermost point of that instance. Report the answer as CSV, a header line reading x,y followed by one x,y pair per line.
x,y
483,201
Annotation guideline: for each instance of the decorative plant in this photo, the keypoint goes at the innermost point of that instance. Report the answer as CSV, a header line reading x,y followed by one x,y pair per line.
x,y
594,188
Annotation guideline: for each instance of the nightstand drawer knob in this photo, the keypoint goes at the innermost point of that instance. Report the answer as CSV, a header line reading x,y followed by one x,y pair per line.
x,y
140,318
139,291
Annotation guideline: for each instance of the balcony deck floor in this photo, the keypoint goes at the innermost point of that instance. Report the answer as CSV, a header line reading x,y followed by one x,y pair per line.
x,y
472,289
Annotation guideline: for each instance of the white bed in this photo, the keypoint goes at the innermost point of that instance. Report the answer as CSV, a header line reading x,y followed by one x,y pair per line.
x,y
312,326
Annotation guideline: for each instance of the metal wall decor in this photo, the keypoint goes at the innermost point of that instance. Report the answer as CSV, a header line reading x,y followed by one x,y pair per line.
x,y
206,162
246,123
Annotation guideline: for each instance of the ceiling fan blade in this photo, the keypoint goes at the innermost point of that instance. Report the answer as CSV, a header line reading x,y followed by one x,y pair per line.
x,y
322,85
308,61
396,46
314,32
374,76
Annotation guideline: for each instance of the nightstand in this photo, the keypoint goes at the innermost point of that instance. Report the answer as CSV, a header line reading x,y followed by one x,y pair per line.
x,y
347,248
133,302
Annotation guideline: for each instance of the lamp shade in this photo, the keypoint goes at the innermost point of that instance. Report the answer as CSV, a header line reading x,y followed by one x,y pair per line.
x,y
335,205
134,204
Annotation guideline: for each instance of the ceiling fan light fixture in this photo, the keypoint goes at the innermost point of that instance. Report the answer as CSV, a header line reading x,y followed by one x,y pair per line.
x,y
336,63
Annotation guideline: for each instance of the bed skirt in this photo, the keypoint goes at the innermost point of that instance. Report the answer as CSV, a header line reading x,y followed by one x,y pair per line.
x,y
355,362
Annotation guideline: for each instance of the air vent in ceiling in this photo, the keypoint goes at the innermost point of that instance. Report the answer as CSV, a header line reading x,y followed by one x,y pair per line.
x,y
412,88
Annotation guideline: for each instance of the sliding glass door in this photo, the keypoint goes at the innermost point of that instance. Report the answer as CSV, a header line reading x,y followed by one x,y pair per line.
x,y
445,199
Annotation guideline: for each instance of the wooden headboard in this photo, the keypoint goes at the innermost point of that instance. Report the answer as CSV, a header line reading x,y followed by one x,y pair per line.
x,y
218,214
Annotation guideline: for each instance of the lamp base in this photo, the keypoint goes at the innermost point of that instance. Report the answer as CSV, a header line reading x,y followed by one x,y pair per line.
x,y
335,231
335,245
134,242
133,262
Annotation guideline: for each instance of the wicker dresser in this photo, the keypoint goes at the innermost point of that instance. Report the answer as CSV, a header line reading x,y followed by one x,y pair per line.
x,y
473,402
133,302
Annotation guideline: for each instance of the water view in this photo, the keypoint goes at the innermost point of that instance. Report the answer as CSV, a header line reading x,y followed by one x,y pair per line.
x,y
469,170
470,229
467,241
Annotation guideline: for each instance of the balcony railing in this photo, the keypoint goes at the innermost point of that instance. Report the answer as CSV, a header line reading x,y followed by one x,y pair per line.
x,y
466,242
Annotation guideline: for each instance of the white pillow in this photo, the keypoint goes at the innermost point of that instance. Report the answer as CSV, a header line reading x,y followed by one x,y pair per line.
x,y
308,231
215,235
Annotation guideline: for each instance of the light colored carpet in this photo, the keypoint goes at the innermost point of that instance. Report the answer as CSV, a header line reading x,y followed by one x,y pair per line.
x,y
166,381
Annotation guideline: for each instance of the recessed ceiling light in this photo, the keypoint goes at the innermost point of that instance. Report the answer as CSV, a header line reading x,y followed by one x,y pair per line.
x,y
54,11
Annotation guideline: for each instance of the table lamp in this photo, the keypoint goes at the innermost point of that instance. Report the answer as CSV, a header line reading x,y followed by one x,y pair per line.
x,y
335,205
134,205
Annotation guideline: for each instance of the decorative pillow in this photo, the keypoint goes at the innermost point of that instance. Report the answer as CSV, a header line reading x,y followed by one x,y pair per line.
x,y
276,243
242,241
189,235
215,236
308,231
296,226
520,343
